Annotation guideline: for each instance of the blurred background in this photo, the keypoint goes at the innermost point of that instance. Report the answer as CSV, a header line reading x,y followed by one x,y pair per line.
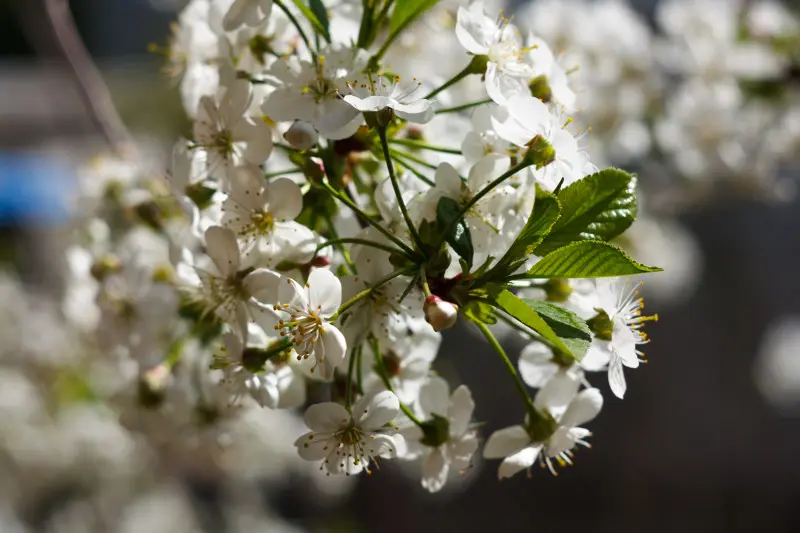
x,y
706,439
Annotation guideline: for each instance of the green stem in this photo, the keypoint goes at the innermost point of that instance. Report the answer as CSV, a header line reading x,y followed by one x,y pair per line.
x,y
400,202
366,292
469,69
296,24
413,159
282,172
424,146
523,392
342,249
416,172
354,354
376,349
365,27
364,242
349,203
377,22
462,107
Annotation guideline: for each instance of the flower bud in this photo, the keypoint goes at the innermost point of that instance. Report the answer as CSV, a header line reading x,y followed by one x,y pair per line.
x,y
301,135
439,313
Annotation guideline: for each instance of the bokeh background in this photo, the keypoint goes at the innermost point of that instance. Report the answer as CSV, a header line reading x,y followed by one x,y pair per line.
x,y
706,439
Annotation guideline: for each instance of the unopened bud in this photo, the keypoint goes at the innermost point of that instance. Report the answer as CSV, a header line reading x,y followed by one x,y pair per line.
x,y
301,135
439,313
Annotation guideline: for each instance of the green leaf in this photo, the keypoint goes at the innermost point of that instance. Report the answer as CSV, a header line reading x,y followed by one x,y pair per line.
x,y
478,311
587,259
405,11
319,10
571,329
448,210
517,308
597,207
317,15
544,214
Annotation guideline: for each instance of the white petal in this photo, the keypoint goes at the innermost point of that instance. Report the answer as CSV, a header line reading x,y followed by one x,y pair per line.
x,y
235,101
474,30
330,350
262,284
518,462
223,249
583,408
434,396
419,112
326,417
285,198
315,448
339,123
559,390
616,377
237,14
448,180
505,442
435,468
536,364
461,452
460,410
373,411
324,292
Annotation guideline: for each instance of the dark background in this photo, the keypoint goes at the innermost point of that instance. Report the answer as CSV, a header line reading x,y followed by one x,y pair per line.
x,y
694,446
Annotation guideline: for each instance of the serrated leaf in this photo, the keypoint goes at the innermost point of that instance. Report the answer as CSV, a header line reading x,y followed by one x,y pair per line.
x,y
587,259
565,323
517,308
544,214
405,11
597,207
317,16
448,210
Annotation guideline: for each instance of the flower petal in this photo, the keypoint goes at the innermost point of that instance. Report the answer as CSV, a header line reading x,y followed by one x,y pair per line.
x,y
373,411
435,468
326,417
330,350
434,396
324,292
222,248
536,364
285,198
616,377
262,284
505,442
519,461
474,30
460,410
313,447
583,408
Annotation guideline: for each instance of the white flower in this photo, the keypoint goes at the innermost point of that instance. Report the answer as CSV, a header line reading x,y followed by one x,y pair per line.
x,y
557,380
229,137
262,212
378,92
308,309
310,91
249,12
546,68
345,443
271,382
449,417
529,118
519,450
617,330
506,72
482,140
229,291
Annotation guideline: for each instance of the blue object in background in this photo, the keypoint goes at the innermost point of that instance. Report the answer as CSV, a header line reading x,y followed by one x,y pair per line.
x,y
34,188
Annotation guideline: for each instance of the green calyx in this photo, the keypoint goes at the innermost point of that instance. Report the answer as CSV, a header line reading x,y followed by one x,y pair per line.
x,y
540,153
541,427
601,325
540,88
436,431
478,65
557,290
379,119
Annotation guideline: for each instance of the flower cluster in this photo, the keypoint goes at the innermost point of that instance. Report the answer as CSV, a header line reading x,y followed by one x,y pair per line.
x,y
340,204
706,98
